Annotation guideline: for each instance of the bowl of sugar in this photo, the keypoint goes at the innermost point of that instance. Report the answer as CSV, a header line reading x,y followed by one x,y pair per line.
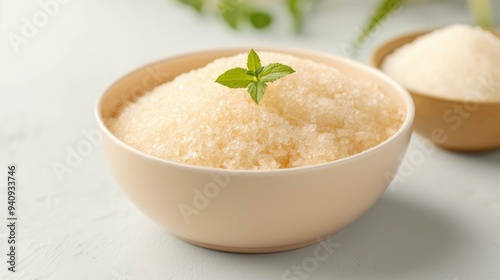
x,y
453,75
222,172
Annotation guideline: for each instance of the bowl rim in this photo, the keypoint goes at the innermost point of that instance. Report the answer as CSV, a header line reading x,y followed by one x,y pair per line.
x,y
406,125
412,36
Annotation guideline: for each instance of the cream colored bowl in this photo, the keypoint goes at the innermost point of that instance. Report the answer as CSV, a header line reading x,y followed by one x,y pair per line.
x,y
451,124
251,211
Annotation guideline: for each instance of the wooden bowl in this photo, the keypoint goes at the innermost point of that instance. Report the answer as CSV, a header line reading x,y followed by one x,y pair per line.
x,y
468,126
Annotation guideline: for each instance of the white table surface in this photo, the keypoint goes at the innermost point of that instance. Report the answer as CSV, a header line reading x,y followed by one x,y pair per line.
x,y
441,222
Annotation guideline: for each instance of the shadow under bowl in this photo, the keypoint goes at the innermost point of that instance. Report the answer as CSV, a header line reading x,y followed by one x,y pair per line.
x,y
460,125
251,211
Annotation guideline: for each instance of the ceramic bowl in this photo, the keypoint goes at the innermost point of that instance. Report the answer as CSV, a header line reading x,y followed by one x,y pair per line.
x,y
251,211
468,126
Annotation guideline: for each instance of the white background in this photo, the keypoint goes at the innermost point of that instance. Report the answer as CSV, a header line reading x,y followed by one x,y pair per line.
x,y
442,221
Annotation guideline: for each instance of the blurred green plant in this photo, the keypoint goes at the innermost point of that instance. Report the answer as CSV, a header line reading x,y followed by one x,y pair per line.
x,y
480,9
482,12
382,11
236,12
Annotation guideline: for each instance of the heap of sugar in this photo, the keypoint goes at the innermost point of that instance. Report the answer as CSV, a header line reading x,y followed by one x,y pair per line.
x,y
315,115
457,62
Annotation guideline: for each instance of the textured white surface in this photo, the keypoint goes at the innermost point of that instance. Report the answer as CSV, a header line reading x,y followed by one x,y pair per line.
x,y
441,222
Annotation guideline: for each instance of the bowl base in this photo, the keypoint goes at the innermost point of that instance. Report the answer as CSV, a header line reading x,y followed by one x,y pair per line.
x,y
251,250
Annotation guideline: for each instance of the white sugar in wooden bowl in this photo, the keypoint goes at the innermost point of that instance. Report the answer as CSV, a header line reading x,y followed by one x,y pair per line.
x,y
456,62
453,75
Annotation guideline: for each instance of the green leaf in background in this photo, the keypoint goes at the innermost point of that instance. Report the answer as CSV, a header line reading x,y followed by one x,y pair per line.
x,y
235,78
257,90
229,11
274,71
260,19
231,18
482,12
195,4
294,7
384,9
233,12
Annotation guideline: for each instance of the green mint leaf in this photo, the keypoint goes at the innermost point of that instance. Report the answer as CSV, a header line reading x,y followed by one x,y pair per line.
x,y
251,73
235,78
253,62
256,90
274,71
258,71
254,78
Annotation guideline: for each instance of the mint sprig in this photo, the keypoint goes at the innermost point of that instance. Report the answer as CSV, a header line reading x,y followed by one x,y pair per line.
x,y
256,77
